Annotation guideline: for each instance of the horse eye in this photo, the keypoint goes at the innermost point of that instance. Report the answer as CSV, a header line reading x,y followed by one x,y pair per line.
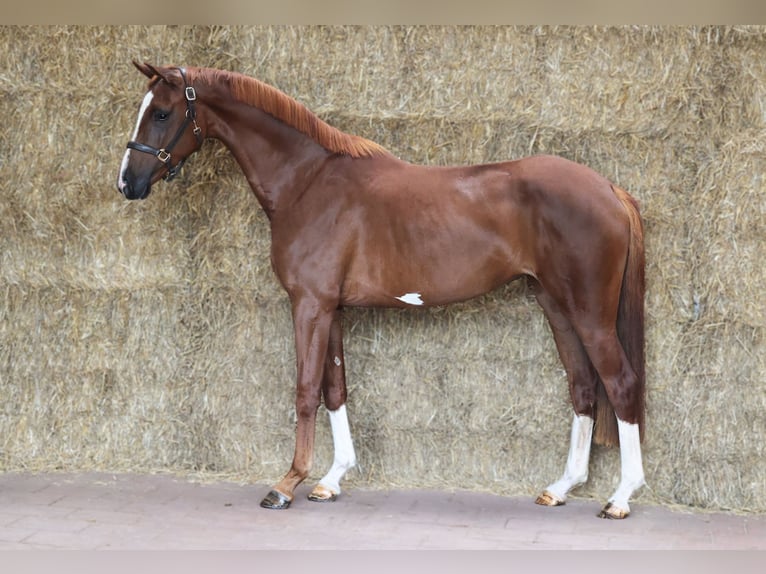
x,y
161,115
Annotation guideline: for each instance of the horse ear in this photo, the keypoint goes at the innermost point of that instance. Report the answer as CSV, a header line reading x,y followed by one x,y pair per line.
x,y
152,71
146,69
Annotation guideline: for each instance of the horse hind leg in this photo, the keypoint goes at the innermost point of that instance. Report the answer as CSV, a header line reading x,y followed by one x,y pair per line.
x,y
631,472
622,389
582,387
576,469
334,392
603,383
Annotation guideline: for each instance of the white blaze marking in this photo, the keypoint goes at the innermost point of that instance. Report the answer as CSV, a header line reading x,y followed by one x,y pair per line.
x,y
124,165
142,110
345,457
411,299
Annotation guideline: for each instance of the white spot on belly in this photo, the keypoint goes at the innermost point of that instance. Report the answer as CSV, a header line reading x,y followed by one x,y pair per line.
x,y
411,299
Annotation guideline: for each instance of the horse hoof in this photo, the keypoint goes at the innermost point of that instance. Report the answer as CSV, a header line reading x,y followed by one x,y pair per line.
x,y
275,500
547,498
322,494
612,512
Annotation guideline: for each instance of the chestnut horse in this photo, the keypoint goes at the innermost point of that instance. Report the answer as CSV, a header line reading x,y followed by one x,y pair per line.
x,y
352,225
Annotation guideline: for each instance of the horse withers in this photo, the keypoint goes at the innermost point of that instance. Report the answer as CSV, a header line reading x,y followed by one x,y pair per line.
x,y
352,225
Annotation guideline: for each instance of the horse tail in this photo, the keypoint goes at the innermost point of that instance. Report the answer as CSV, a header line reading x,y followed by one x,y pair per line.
x,y
630,328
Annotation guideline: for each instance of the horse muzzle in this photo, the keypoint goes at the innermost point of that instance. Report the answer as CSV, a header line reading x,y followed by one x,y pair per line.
x,y
134,188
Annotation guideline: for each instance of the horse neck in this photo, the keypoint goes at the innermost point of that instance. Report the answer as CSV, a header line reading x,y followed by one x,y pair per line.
x,y
277,160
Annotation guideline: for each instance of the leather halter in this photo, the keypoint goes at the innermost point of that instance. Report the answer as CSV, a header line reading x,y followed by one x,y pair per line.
x,y
163,154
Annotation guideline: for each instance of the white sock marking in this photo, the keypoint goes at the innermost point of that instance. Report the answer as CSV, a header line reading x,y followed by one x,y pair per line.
x,y
576,471
124,165
631,465
411,299
345,457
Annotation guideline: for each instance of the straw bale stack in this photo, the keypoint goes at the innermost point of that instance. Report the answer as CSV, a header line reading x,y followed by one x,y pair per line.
x,y
153,336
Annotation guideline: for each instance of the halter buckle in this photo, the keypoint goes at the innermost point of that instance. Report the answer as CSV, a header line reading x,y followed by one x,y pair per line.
x,y
163,156
190,93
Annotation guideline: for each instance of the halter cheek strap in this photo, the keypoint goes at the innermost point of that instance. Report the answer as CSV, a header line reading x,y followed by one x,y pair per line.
x,y
163,154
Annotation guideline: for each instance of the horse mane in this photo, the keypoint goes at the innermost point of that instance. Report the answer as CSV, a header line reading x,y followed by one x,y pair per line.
x,y
289,111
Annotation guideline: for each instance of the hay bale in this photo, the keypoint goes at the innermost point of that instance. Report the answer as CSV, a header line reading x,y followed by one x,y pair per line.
x,y
153,335
730,224
719,366
81,387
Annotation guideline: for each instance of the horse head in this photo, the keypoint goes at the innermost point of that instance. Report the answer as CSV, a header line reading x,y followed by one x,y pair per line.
x,y
161,137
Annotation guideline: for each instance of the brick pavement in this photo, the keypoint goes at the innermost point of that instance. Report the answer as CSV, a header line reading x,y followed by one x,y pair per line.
x,y
88,511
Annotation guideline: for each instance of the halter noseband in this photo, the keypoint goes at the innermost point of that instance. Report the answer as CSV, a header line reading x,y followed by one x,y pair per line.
x,y
163,154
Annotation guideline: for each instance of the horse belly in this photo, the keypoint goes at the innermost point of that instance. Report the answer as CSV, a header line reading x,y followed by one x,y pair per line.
x,y
432,273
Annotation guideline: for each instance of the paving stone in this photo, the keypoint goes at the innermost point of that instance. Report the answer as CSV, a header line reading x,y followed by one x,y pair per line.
x,y
88,511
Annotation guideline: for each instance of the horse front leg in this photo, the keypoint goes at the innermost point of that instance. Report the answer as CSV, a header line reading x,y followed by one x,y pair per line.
x,y
334,392
311,321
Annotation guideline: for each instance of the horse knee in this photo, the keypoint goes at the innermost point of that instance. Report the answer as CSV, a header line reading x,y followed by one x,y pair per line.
x,y
306,410
334,402
334,393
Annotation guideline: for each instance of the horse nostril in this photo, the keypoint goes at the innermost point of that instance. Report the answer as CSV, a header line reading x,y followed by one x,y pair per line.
x,y
131,188
125,188
137,192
